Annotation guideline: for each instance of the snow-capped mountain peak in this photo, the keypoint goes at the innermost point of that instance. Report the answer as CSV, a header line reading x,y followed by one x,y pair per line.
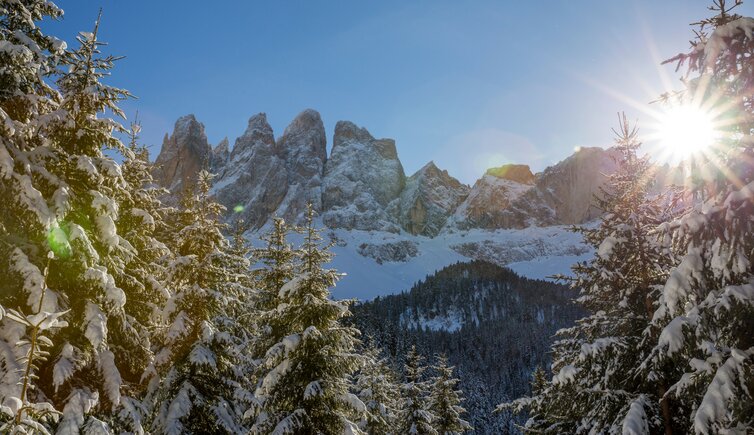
x,y
378,214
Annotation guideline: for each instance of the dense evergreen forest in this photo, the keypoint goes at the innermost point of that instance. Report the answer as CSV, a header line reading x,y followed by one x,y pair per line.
x,y
493,325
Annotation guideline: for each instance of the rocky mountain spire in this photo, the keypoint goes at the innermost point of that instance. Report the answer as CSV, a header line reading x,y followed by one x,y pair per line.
x,y
362,177
304,146
183,155
254,181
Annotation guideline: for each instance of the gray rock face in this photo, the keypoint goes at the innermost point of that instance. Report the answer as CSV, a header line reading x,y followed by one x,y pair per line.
x,y
568,188
362,186
429,198
254,181
304,146
487,205
219,157
563,194
505,253
400,251
184,153
362,177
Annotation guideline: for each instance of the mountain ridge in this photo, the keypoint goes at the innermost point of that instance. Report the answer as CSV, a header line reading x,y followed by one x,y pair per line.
x,y
362,185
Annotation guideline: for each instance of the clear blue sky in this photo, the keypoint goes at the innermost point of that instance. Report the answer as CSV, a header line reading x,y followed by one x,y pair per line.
x,y
469,85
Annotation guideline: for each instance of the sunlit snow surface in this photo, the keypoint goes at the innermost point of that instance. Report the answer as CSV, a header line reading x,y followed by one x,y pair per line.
x,y
535,252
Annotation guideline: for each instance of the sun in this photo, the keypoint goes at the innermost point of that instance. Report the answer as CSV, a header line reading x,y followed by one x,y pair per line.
x,y
686,130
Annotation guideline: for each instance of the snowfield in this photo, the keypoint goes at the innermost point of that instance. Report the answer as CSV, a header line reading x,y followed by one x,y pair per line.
x,y
534,252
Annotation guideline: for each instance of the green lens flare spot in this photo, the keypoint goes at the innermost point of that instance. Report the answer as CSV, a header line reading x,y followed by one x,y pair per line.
x,y
238,208
58,241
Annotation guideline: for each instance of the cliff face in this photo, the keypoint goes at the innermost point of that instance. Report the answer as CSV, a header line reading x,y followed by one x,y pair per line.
x,y
219,157
304,146
362,185
488,204
512,197
254,181
428,200
362,177
569,186
184,153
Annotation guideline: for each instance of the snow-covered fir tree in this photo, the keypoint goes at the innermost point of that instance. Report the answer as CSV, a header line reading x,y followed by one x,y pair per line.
x,y
141,223
278,259
599,382
706,305
445,401
538,380
378,387
416,417
200,389
241,316
304,376
28,57
62,196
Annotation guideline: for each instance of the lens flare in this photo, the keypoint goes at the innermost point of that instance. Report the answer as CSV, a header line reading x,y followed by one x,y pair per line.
x,y
57,239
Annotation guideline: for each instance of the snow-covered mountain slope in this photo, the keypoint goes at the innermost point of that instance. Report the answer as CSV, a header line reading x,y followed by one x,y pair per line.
x,y
376,263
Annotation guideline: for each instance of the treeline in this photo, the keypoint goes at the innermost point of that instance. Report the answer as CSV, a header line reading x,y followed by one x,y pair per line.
x,y
496,327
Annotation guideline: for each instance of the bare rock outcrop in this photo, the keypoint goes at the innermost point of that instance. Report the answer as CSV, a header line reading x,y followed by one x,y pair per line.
x,y
487,204
304,147
569,187
362,177
254,181
400,251
184,153
431,196
562,194
219,157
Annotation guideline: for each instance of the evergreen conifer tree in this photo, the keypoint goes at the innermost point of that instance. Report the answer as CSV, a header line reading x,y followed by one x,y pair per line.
x,y
304,376
66,205
142,224
538,381
200,390
242,314
378,388
445,401
416,418
597,384
705,311
278,258
29,58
